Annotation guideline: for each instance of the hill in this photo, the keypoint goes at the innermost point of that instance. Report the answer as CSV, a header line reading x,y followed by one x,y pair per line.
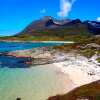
x,y
48,28
48,23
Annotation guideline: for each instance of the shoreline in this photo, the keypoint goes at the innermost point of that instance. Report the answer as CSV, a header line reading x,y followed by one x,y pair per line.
x,y
81,71
66,83
47,80
78,69
62,42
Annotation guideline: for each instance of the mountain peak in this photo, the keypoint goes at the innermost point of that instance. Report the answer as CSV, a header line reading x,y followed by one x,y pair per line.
x,y
48,22
47,18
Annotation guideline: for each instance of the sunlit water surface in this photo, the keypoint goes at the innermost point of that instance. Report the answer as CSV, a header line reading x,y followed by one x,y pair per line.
x,y
37,83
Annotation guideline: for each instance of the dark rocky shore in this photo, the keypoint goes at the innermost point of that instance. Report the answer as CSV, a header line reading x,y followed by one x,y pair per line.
x,y
87,92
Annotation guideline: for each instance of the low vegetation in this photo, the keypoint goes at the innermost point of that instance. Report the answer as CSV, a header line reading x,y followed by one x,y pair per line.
x,y
87,52
98,59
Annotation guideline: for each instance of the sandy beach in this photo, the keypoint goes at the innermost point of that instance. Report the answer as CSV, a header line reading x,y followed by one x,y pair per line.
x,y
37,83
66,84
52,72
80,69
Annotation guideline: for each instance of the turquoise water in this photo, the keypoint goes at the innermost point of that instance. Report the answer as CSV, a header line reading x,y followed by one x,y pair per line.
x,y
11,46
37,83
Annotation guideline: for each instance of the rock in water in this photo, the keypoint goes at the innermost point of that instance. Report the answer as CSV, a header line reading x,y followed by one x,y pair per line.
x,y
18,99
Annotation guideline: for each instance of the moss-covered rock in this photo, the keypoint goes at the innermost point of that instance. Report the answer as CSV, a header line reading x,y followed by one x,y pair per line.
x,y
98,60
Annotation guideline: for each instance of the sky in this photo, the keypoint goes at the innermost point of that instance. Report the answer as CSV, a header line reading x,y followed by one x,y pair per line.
x,y
15,15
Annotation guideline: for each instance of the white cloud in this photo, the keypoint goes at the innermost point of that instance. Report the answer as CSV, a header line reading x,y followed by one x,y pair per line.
x,y
98,19
43,11
65,7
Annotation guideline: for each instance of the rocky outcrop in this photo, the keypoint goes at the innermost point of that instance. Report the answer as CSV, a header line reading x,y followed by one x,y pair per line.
x,y
92,46
44,55
47,55
87,92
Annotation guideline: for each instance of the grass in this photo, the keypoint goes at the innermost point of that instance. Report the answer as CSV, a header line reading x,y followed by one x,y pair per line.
x,y
87,52
98,59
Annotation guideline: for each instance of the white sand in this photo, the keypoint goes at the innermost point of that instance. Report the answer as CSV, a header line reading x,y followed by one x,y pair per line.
x,y
64,81
65,42
80,70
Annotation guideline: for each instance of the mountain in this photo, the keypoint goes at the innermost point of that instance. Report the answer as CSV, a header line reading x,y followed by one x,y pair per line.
x,y
46,22
50,25
94,27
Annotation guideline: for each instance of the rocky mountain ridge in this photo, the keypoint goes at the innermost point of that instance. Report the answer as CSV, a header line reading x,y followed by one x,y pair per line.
x,y
49,23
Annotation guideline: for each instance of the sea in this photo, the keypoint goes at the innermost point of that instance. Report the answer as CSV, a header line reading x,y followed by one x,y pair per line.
x,y
34,83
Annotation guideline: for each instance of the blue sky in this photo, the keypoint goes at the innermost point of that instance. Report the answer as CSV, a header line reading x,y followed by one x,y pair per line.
x,y
15,15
